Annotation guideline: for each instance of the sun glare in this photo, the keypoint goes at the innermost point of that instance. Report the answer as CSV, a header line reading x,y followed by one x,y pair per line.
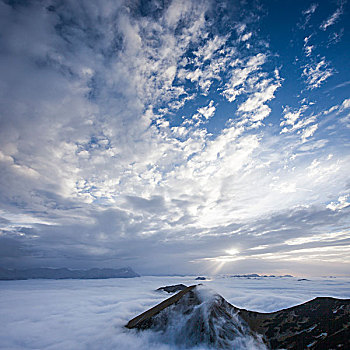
x,y
232,251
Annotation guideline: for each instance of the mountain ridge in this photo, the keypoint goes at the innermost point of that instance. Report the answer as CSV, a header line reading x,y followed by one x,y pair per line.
x,y
66,273
318,324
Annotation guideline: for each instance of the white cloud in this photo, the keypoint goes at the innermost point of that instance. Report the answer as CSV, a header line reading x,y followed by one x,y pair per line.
x,y
248,79
211,60
308,50
240,28
316,74
308,132
290,117
307,14
310,146
323,237
345,104
310,9
246,36
287,187
207,51
236,84
332,19
340,204
266,93
339,110
335,38
203,115
207,111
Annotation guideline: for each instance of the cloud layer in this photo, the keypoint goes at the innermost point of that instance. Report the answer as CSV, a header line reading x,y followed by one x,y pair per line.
x,y
91,314
153,135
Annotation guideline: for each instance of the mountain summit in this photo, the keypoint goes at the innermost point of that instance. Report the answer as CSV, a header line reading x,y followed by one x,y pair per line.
x,y
197,315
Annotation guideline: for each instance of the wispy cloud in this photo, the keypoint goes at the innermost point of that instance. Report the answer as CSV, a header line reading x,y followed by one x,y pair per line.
x,y
346,83
307,15
210,60
333,18
311,9
317,73
296,121
236,84
308,132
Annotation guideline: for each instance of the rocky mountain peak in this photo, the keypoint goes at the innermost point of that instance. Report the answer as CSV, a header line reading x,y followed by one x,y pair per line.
x,y
198,315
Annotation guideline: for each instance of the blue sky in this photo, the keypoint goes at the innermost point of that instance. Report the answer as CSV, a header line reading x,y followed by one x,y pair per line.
x,y
175,136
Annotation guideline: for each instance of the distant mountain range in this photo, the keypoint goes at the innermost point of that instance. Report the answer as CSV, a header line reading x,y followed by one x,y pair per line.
x,y
64,273
252,275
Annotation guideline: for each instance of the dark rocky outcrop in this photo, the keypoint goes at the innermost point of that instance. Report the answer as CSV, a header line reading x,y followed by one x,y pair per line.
x,y
196,316
200,278
64,273
321,323
173,289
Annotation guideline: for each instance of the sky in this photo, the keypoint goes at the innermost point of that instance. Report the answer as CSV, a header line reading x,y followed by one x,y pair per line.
x,y
175,137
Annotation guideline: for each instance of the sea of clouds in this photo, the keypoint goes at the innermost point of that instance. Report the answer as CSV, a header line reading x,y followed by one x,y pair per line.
x,y
91,314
